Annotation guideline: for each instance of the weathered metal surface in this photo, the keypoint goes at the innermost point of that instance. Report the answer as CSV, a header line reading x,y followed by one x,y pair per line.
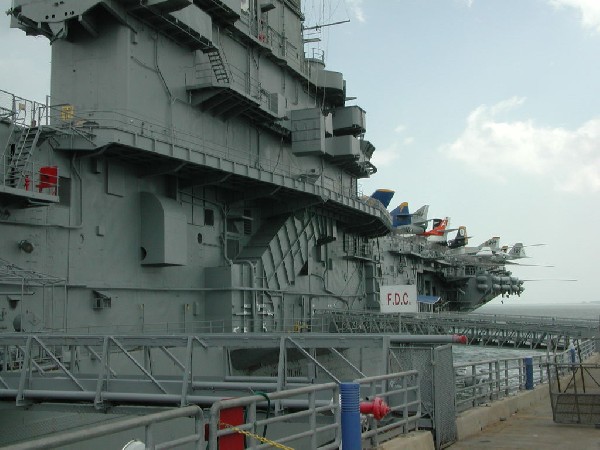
x,y
575,397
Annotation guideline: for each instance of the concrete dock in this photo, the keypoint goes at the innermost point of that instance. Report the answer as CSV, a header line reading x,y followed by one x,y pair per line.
x,y
532,428
523,422
520,422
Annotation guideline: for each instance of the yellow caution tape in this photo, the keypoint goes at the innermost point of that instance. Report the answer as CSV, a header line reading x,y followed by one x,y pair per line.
x,y
257,437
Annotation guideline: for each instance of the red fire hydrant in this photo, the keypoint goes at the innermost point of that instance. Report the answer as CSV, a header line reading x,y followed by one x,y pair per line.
x,y
377,407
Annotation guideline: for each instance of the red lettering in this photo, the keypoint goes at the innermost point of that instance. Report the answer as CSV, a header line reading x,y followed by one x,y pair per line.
x,y
389,297
405,299
396,298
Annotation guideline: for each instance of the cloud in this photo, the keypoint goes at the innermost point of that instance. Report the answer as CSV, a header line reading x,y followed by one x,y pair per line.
x,y
355,7
385,156
504,150
589,9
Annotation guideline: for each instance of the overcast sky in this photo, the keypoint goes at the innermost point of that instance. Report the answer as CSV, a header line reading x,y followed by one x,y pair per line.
x,y
486,110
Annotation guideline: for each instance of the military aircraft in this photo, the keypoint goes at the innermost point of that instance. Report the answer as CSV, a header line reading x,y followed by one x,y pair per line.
x,y
438,228
404,222
460,240
490,252
488,247
439,231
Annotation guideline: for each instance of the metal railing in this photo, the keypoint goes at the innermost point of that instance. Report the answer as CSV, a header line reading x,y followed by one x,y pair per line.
x,y
29,176
143,127
325,403
239,81
306,404
22,111
402,393
532,331
480,382
87,124
79,436
289,325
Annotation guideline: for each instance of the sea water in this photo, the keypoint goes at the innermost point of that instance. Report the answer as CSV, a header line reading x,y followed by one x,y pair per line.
x,y
465,353
569,310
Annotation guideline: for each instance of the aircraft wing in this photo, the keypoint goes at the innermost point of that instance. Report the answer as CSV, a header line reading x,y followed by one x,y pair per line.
x,y
418,222
526,265
548,279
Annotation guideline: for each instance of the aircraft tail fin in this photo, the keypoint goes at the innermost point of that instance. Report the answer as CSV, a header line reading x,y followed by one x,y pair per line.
x,y
420,215
461,238
517,251
441,224
383,195
401,215
493,243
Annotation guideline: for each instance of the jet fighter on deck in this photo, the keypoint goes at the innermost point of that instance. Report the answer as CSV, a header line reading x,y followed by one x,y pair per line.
x,y
439,231
460,240
406,223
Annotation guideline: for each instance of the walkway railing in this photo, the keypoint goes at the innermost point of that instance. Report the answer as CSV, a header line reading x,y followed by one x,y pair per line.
x,y
255,429
79,436
289,325
402,392
480,382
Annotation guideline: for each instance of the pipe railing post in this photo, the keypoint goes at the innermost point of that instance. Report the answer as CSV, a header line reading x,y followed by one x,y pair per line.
x,y
351,429
528,361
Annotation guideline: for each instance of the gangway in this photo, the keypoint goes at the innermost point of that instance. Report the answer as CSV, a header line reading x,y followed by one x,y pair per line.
x,y
483,329
112,373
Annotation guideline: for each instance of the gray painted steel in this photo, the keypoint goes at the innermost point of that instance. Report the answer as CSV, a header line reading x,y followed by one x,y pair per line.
x,y
193,172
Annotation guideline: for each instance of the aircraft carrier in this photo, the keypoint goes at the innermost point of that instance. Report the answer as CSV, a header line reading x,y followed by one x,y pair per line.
x,y
193,171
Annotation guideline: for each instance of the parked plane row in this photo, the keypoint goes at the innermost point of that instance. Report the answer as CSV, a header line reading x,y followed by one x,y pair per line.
x,y
455,248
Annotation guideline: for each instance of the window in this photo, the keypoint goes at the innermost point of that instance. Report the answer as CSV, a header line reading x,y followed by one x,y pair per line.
x,y
64,191
209,217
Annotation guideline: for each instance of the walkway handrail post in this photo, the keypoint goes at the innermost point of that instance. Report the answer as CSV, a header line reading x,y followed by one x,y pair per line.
x,y
528,361
351,428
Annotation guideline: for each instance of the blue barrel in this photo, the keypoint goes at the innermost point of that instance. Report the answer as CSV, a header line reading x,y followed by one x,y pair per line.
x,y
528,361
350,397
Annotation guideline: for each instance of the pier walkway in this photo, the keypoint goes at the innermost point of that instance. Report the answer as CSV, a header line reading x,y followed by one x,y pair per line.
x,y
482,329
532,428
525,421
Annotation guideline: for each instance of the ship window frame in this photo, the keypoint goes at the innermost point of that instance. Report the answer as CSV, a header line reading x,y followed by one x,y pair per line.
x,y
209,217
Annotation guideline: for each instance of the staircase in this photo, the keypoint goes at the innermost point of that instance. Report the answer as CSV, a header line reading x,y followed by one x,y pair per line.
x,y
218,65
282,246
18,161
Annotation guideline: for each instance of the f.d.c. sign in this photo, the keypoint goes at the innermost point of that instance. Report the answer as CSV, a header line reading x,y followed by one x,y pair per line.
x,y
400,298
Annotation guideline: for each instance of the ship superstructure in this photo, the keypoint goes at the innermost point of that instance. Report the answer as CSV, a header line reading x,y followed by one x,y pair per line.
x,y
194,172
193,165
202,167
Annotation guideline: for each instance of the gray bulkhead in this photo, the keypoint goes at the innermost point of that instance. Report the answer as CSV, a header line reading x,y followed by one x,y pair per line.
x,y
144,233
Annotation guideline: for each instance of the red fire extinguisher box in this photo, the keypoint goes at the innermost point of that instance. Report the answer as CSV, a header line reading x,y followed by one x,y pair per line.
x,y
233,417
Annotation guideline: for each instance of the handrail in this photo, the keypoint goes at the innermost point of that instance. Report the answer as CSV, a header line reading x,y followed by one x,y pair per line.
x,y
307,410
406,411
64,117
479,382
147,422
288,325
